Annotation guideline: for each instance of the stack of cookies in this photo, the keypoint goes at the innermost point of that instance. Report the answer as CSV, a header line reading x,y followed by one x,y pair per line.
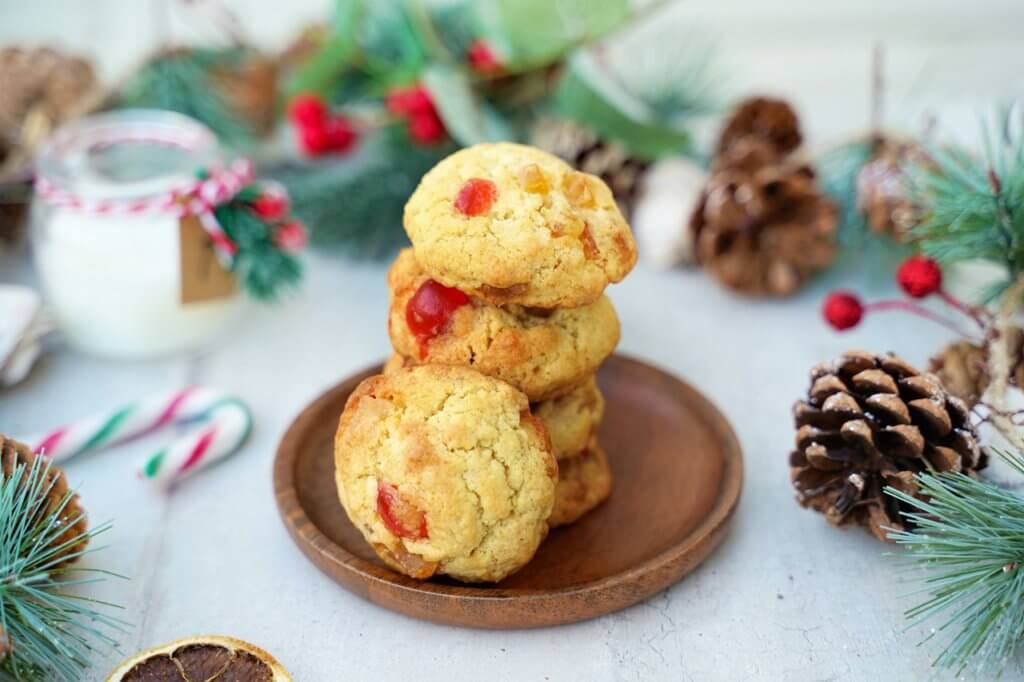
x,y
501,294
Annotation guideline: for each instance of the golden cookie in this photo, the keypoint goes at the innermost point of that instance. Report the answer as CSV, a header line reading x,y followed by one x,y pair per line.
x,y
542,353
508,223
572,419
584,482
444,470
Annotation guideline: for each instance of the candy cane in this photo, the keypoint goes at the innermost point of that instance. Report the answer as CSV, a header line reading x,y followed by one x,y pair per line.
x,y
220,425
226,425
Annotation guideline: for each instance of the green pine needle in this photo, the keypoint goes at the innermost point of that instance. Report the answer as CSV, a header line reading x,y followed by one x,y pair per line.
x,y
52,630
968,537
264,270
975,206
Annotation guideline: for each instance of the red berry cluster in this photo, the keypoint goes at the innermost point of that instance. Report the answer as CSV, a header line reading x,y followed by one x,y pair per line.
x,y
416,105
273,208
320,131
918,277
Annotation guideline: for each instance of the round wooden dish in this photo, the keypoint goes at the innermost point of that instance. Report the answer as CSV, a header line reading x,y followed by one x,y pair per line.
x,y
678,473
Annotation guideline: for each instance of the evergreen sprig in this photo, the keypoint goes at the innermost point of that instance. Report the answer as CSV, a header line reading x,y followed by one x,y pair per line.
x,y
52,631
263,268
968,537
975,205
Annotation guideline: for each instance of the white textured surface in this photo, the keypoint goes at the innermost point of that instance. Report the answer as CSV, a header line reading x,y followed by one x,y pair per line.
x,y
784,598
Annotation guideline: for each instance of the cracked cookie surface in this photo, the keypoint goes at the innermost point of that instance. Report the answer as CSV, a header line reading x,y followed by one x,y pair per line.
x,y
543,353
584,482
543,235
444,470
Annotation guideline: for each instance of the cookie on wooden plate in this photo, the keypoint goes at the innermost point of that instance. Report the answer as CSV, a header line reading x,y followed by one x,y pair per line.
x,y
572,419
544,353
584,482
508,223
444,470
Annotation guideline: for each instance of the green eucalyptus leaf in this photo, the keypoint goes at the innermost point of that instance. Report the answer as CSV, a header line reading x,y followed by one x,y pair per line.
x,y
528,33
588,95
466,116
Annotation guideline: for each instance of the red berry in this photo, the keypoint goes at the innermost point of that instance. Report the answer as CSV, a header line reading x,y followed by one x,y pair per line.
x,y
271,207
429,311
427,128
919,276
341,134
409,101
476,197
307,110
482,58
843,310
291,237
313,139
400,517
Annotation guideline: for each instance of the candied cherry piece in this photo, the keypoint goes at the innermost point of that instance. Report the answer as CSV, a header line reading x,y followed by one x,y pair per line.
x,y
429,311
533,180
476,197
400,517
577,190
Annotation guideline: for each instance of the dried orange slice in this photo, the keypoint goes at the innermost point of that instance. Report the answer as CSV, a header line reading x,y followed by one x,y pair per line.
x,y
204,658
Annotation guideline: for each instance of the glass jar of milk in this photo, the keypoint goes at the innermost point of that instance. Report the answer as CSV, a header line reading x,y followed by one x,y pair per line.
x,y
109,251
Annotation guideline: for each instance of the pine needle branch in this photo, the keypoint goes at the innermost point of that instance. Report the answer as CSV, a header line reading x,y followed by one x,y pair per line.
x,y
968,538
51,632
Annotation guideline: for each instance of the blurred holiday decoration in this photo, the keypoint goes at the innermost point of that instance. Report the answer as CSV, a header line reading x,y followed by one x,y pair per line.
x,y
668,196
395,86
874,421
23,324
204,658
143,232
762,226
42,89
968,541
215,426
46,632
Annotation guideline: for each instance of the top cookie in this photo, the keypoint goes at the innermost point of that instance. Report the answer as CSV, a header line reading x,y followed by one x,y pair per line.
x,y
444,470
508,223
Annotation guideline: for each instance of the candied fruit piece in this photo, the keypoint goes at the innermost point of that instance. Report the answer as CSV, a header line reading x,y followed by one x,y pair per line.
x,y
429,312
476,197
577,190
400,517
533,179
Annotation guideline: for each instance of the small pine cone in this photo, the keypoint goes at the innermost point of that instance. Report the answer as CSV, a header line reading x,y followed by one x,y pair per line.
x,y
962,367
883,195
250,89
13,453
870,421
763,118
762,226
585,150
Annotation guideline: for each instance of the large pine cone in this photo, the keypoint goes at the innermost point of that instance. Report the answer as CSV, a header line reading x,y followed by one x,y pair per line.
x,y
585,150
871,421
72,516
771,120
762,226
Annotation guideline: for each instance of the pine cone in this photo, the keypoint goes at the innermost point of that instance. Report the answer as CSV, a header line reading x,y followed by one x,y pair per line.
x,y
882,192
250,89
962,367
585,150
770,120
871,421
762,226
13,453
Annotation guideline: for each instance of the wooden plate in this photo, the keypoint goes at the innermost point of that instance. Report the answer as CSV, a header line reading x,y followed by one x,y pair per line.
x,y
678,473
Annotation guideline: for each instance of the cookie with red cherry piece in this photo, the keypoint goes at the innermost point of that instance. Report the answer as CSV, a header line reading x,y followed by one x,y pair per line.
x,y
571,419
584,482
444,470
508,223
544,353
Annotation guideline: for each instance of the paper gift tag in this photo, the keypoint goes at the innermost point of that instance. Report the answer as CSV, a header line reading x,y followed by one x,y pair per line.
x,y
203,278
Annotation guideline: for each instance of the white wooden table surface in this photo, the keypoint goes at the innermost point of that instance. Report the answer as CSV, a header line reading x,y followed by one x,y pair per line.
x,y
785,597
